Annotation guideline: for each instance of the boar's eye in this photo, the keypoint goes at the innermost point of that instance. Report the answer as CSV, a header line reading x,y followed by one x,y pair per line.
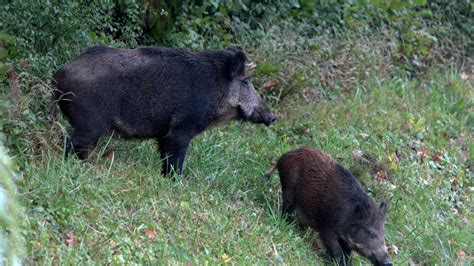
x,y
246,81
369,234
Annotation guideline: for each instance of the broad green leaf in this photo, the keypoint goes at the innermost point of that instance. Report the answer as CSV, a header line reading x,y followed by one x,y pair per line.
x,y
3,53
420,2
5,37
4,68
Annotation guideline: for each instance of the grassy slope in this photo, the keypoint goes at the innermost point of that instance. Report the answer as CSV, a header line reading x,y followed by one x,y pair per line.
x,y
120,209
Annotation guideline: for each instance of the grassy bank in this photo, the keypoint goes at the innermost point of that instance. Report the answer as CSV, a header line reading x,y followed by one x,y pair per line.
x,y
415,141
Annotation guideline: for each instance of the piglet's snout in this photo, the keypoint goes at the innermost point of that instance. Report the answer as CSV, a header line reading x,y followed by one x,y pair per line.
x,y
270,119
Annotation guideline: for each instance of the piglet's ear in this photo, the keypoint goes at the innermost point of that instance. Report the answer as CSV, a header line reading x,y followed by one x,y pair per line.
x,y
383,207
238,64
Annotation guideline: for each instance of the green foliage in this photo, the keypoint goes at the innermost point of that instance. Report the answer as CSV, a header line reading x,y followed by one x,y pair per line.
x,y
11,245
418,29
7,50
48,34
266,68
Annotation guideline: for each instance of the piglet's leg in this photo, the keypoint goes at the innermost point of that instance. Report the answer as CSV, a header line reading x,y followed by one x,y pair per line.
x,y
334,249
173,151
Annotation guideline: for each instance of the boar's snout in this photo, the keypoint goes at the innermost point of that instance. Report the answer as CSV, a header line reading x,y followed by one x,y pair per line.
x,y
383,260
271,118
263,115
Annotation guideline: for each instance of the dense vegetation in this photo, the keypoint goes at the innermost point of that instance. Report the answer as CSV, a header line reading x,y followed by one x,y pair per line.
x,y
384,86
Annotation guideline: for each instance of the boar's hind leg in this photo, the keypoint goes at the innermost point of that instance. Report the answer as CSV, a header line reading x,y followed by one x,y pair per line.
x,y
288,205
173,150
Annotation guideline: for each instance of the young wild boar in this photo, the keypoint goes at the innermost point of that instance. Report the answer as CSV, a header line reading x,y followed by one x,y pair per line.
x,y
327,198
168,94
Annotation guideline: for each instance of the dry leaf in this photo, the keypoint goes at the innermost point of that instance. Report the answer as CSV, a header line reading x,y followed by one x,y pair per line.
x,y
437,156
381,176
270,84
422,154
151,233
461,254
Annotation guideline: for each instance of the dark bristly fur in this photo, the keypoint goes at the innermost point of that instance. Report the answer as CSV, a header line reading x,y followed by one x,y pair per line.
x,y
326,197
168,94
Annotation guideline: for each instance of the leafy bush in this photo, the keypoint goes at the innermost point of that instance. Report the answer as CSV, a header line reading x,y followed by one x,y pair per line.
x,y
48,34
422,33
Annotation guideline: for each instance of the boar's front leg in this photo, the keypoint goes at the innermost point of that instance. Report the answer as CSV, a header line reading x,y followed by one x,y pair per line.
x,y
347,252
173,150
334,249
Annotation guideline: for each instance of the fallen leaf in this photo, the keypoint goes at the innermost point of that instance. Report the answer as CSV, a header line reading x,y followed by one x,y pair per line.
x,y
381,176
151,233
461,254
437,156
422,154
69,238
270,84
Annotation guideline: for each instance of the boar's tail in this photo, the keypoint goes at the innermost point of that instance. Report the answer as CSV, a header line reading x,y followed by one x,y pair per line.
x,y
269,173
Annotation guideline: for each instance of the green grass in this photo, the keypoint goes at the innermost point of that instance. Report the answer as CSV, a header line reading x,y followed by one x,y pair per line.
x,y
121,210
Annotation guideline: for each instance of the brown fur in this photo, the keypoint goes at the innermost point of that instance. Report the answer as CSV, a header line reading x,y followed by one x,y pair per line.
x,y
326,197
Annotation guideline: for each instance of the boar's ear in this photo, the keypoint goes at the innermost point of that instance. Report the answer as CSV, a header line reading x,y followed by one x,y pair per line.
x,y
383,207
232,48
238,64
362,210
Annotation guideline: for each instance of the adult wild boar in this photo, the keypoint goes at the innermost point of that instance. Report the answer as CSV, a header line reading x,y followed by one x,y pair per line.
x,y
327,198
168,94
